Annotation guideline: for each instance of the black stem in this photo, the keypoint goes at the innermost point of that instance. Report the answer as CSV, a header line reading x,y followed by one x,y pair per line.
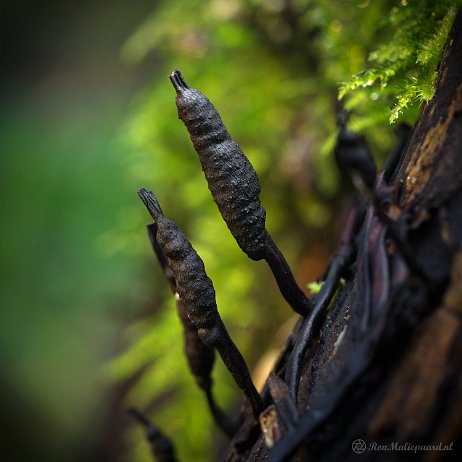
x,y
395,228
321,303
285,279
324,407
236,365
346,250
221,419
139,417
161,446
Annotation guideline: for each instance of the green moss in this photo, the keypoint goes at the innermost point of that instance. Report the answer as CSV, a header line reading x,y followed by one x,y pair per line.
x,y
403,68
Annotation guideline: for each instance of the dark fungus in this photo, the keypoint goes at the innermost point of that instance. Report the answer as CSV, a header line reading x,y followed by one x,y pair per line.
x,y
200,357
197,294
161,446
234,185
354,158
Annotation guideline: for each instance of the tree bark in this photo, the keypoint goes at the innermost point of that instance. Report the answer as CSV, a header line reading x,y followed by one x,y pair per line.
x,y
399,383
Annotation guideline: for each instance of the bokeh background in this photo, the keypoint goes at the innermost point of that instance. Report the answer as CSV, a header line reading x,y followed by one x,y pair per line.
x,y
87,116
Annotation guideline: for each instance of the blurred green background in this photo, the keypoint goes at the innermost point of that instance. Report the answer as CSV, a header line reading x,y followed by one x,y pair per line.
x,y
65,297
87,116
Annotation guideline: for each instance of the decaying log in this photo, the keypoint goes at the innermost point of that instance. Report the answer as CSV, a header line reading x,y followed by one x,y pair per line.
x,y
396,387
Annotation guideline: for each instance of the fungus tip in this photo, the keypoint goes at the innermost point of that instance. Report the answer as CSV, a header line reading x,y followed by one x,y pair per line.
x,y
138,416
178,81
151,203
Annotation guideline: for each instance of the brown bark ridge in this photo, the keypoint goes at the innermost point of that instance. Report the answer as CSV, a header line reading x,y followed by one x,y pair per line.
x,y
382,379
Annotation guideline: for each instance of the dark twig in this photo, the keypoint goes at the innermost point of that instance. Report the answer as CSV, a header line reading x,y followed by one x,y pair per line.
x,y
343,257
285,405
323,408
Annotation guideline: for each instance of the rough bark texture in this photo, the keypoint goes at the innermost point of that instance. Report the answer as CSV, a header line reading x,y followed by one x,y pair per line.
x,y
401,382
